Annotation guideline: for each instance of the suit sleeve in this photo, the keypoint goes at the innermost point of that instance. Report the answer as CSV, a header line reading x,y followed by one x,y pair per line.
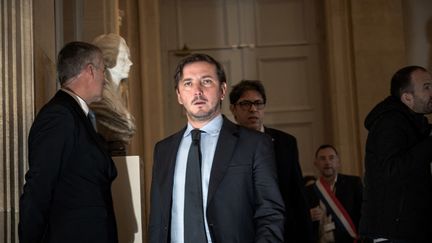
x,y
50,142
269,219
295,161
155,214
312,201
298,222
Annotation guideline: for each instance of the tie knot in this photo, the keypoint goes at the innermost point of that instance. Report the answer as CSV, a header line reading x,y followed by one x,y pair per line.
x,y
196,135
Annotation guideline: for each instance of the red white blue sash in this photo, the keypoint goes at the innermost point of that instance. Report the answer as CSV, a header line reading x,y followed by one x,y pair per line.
x,y
336,207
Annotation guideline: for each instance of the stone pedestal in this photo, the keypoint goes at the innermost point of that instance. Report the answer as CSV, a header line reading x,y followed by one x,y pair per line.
x,y
126,190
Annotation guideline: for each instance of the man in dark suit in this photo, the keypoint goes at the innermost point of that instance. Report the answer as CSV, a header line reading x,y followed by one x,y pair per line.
x,y
67,194
332,222
248,99
237,198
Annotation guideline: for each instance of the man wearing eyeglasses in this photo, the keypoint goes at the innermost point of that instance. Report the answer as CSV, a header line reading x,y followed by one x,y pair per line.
x,y
248,100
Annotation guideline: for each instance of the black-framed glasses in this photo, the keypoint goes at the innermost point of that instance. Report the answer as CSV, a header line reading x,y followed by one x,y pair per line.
x,y
247,104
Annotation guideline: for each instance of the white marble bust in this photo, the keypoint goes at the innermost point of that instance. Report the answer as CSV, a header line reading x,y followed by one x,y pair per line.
x,y
114,121
122,65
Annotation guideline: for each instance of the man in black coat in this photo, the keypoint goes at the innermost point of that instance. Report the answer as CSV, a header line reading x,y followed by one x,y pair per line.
x,y
398,185
347,190
248,100
67,194
235,197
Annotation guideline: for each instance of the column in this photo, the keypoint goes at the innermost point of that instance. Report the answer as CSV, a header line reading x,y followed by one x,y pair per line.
x,y
17,107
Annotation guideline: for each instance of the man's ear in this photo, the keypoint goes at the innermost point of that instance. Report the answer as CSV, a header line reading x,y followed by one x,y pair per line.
x,y
89,69
223,90
338,164
407,99
178,97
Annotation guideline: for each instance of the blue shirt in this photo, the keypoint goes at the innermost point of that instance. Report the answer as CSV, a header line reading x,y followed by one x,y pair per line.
x,y
209,138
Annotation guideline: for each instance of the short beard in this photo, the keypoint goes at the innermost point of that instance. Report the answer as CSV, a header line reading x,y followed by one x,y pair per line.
x,y
207,116
422,107
327,175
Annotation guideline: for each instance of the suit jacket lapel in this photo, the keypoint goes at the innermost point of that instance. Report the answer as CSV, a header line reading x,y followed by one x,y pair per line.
x,y
169,162
224,149
340,187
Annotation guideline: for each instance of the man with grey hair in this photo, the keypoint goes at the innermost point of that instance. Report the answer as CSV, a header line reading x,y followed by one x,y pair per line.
x,y
67,194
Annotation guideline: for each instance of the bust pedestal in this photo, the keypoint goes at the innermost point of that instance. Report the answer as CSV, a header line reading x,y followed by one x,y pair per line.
x,y
126,191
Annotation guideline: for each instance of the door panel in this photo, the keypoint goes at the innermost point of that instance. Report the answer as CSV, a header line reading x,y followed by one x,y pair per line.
x,y
204,24
281,22
291,77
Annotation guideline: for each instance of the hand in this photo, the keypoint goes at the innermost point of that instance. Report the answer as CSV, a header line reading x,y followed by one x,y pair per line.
x,y
316,213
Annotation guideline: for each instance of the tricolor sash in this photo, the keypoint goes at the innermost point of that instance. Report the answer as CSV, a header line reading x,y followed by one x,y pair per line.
x,y
336,208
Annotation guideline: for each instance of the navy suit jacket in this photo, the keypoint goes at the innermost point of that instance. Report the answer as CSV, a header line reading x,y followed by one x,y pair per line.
x,y
244,202
67,194
298,224
349,191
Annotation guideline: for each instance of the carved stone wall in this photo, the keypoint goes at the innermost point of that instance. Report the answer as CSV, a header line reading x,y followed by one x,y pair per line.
x,y
17,107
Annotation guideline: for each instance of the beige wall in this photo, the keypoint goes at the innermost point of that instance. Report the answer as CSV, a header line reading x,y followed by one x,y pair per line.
x,y
141,28
341,83
378,51
418,34
44,51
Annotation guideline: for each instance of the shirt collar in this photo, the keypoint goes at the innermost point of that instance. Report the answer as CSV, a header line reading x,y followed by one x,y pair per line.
x,y
332,186
212,128
80,101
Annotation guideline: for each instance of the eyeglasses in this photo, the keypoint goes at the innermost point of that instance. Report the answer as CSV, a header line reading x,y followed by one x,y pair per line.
x,y
247,105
